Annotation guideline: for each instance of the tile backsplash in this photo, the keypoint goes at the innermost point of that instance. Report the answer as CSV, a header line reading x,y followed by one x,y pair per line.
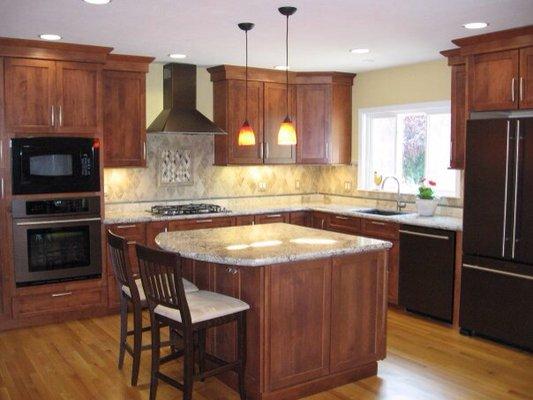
x,y
126,185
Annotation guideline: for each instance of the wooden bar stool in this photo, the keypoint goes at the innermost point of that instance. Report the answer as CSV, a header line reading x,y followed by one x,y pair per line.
x,y
131,292
191,314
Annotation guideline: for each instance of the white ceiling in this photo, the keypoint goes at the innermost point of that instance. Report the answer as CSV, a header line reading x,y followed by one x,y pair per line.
x,y
322,31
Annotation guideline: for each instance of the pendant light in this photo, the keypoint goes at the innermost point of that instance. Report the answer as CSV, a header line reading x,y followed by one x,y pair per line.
x,y
246,135
287,133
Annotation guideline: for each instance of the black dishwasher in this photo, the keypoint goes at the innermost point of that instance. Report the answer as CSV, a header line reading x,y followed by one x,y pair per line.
x,y
427,262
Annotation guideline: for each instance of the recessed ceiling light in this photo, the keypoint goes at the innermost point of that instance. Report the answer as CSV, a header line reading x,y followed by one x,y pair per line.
x,y
281,67
177,55
475,25
97,2
360,51
49,36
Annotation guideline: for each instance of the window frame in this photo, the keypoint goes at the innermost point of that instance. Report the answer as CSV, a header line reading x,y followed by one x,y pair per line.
x,y
364,142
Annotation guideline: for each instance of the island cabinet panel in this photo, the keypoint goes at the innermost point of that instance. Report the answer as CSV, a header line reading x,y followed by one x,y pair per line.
x,y
271,218
79,92
493,81
356,338
29,95
297,341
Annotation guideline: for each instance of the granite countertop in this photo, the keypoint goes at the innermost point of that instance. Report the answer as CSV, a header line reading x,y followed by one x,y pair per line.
x,y
260,245
438,222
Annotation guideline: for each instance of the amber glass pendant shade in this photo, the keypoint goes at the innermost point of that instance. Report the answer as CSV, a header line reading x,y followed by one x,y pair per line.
x,y
287,133
246,135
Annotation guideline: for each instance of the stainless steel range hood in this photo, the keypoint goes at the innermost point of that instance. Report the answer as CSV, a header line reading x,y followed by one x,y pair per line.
x,y
179,102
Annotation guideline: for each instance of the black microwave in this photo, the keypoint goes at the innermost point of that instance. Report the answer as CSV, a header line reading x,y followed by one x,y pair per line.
x,y
55,165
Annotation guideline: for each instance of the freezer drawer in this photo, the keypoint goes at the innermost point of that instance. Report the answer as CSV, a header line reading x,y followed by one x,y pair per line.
x,y
427,260
497,304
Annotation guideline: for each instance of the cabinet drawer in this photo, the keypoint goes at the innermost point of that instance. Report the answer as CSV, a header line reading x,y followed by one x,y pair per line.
x,y
132,232
271,218
302,218
245,220
344,224
26,306
379,229
200,223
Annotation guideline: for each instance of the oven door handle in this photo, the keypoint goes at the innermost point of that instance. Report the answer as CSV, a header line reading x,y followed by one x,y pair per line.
x,y
54,222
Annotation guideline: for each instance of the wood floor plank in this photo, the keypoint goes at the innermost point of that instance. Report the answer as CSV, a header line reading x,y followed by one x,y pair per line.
x,y
426,360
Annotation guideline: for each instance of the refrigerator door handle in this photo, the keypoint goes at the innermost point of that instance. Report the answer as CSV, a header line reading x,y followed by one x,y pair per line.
x,y
506,189
494,271
517,165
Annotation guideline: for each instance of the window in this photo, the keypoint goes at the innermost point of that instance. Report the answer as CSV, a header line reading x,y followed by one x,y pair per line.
x,y
410,142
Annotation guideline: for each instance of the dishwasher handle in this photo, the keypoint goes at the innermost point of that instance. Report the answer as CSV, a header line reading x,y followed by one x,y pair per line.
x,y
426,235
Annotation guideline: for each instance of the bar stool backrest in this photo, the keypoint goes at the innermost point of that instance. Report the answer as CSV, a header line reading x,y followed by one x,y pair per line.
x,y
120,262
161,275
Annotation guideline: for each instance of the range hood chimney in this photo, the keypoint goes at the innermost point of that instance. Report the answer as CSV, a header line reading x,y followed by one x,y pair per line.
x,y
179,113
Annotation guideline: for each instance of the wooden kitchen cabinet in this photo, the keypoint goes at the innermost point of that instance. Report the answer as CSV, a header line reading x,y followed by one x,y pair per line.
x,y
133,233
275,111
125,111
153,229
271,218
302,218
200,223
320,220
493,80
53,96
344,224
244,220
458,117
526,78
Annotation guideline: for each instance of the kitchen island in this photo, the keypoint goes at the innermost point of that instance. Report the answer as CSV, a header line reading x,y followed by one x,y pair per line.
x,y
317,302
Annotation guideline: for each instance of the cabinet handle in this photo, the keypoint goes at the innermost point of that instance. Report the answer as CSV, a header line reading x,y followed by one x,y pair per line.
x,y
521,89
506,187
512,89
144,150
60,116
378,223
52,116
203,221
125,226
517,170
339,217
327,150
322,223
61,294
166,229
2,187
267,150
428,235
261,150
273,215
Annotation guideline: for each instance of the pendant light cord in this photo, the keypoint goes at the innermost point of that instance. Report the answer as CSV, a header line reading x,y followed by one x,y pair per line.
x,y
246,78
287,63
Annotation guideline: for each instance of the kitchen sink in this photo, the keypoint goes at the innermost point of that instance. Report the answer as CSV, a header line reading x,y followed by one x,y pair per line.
x,y
376,211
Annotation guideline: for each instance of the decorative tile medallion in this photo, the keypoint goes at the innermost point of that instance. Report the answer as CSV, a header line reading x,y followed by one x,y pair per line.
x,y
175,167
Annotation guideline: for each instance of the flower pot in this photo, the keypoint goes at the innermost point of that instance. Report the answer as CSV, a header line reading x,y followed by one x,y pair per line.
x,y
426,208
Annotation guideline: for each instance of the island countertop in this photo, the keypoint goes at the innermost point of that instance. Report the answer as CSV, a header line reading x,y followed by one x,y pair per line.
x,y
265,244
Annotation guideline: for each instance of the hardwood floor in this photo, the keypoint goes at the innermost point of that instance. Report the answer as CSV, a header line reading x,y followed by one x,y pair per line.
x,y
426,360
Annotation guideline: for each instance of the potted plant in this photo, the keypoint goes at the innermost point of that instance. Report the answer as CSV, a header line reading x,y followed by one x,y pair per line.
x,y
426,200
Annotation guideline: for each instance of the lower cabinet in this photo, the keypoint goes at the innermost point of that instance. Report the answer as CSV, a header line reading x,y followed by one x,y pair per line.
x,y
271,218
133,233
153,229
302,218
200,223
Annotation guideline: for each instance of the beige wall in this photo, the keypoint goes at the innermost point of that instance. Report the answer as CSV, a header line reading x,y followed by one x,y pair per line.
x,y
416,83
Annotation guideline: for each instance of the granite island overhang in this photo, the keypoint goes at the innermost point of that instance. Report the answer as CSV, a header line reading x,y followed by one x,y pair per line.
x,y
317,302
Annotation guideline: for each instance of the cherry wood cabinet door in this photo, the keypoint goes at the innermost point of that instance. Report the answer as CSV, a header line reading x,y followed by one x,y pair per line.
x,y
78,88
271,218
244,220
493,81
459,116
297,343
313,121
393,271
344,224
275,104
124,119
526,78
302,218
152,230
29,95
236,113
357,303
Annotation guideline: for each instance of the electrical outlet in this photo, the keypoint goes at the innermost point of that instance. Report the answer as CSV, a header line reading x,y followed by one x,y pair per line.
x,y
262,186
297,185
347,186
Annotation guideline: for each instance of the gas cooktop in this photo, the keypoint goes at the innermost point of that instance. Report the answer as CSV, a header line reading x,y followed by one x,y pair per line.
x,y
187,209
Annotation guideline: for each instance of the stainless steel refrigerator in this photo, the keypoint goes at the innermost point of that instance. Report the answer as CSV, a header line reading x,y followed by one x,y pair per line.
x,y
497,272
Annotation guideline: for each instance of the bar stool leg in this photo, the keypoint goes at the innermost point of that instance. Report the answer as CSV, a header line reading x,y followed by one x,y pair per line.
x,y
156,353
241,334
201,352
188,365
137,343
123,330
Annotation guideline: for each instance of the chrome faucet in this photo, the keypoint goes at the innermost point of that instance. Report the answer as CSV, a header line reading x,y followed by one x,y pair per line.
x,y
399,203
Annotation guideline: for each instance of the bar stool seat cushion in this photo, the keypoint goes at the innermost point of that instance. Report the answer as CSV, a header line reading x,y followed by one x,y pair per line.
x,y
188,286
205,305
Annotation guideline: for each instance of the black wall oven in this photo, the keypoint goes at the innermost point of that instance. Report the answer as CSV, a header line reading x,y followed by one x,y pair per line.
x,y
55,165
56,240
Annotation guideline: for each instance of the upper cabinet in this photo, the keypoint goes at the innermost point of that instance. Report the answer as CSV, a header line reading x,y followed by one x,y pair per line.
x,y
52,96
319,105
125,111
490,72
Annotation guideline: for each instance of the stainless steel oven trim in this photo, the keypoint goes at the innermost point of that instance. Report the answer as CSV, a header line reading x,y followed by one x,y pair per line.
x,y
521,276
56,222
